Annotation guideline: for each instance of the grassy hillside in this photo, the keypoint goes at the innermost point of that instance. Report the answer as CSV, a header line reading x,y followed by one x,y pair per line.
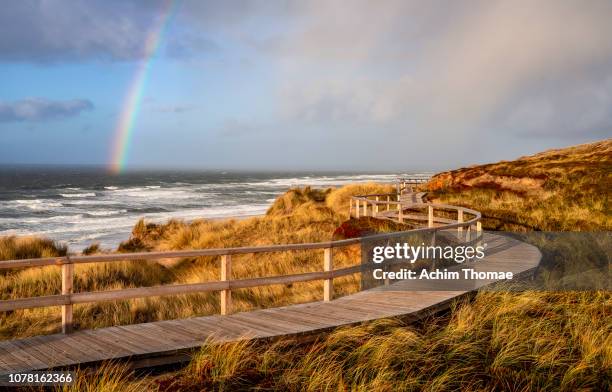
x,y
558,190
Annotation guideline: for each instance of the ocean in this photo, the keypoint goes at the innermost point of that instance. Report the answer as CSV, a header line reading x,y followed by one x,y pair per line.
x,y
79,206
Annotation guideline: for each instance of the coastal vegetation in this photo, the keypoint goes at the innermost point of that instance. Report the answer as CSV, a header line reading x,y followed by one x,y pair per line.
x,y
557,190
12,248
533,340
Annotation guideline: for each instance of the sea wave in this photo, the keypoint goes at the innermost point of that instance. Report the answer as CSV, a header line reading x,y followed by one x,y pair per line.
x,y
69,195
106,212
33,204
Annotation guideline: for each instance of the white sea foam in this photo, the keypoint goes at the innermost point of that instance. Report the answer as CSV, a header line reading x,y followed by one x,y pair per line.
x,y
88,194
106,212
34,204
90,202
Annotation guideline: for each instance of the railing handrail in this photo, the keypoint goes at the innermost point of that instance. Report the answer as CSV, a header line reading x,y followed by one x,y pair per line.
x,y
59,260
226,284
396,202
103,258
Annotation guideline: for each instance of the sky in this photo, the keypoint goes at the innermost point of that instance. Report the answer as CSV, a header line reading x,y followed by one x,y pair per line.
x,y
302,85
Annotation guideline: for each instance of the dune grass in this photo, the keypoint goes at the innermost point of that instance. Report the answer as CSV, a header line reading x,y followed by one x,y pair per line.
x,y
528,341
557,190
532,341
109,377
12,248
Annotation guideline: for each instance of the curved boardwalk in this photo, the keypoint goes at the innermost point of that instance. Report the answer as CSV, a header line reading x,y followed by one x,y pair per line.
x,y
173,341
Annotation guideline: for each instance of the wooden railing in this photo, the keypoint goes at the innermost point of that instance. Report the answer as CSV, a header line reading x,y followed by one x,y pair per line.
x,y
226,284
390,206
408,184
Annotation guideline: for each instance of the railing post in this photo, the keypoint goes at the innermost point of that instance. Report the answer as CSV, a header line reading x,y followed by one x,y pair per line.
x,y
365,206
459,220
478,229
67,278
388,201
328,284
350,208
357,206
226,275
400,212
375,211
430,216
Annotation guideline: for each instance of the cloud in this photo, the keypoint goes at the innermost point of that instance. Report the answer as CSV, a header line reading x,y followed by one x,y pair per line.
x,y
383,66
50,31
173,108
234,128
41,109
154,105
190,46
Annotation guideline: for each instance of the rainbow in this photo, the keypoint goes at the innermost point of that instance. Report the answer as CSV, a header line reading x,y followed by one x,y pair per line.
x,y
124,129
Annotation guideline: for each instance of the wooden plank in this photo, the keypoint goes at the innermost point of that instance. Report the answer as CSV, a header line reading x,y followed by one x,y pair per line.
x,y
179,331
384,304
254,327
315,321
283,279
142,292
33,302
151,337
287,324
96,348
273,323
64,351
111,336
203,326
111,348
180,328
18,354
332,316
220,327
61,344
38,347
7,362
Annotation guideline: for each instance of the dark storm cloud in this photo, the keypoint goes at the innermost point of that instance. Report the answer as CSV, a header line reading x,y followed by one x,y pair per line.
x,y
42,31
40,109
50,31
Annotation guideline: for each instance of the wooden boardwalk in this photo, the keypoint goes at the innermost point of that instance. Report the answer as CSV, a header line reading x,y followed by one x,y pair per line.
x,y
174,341
411,198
